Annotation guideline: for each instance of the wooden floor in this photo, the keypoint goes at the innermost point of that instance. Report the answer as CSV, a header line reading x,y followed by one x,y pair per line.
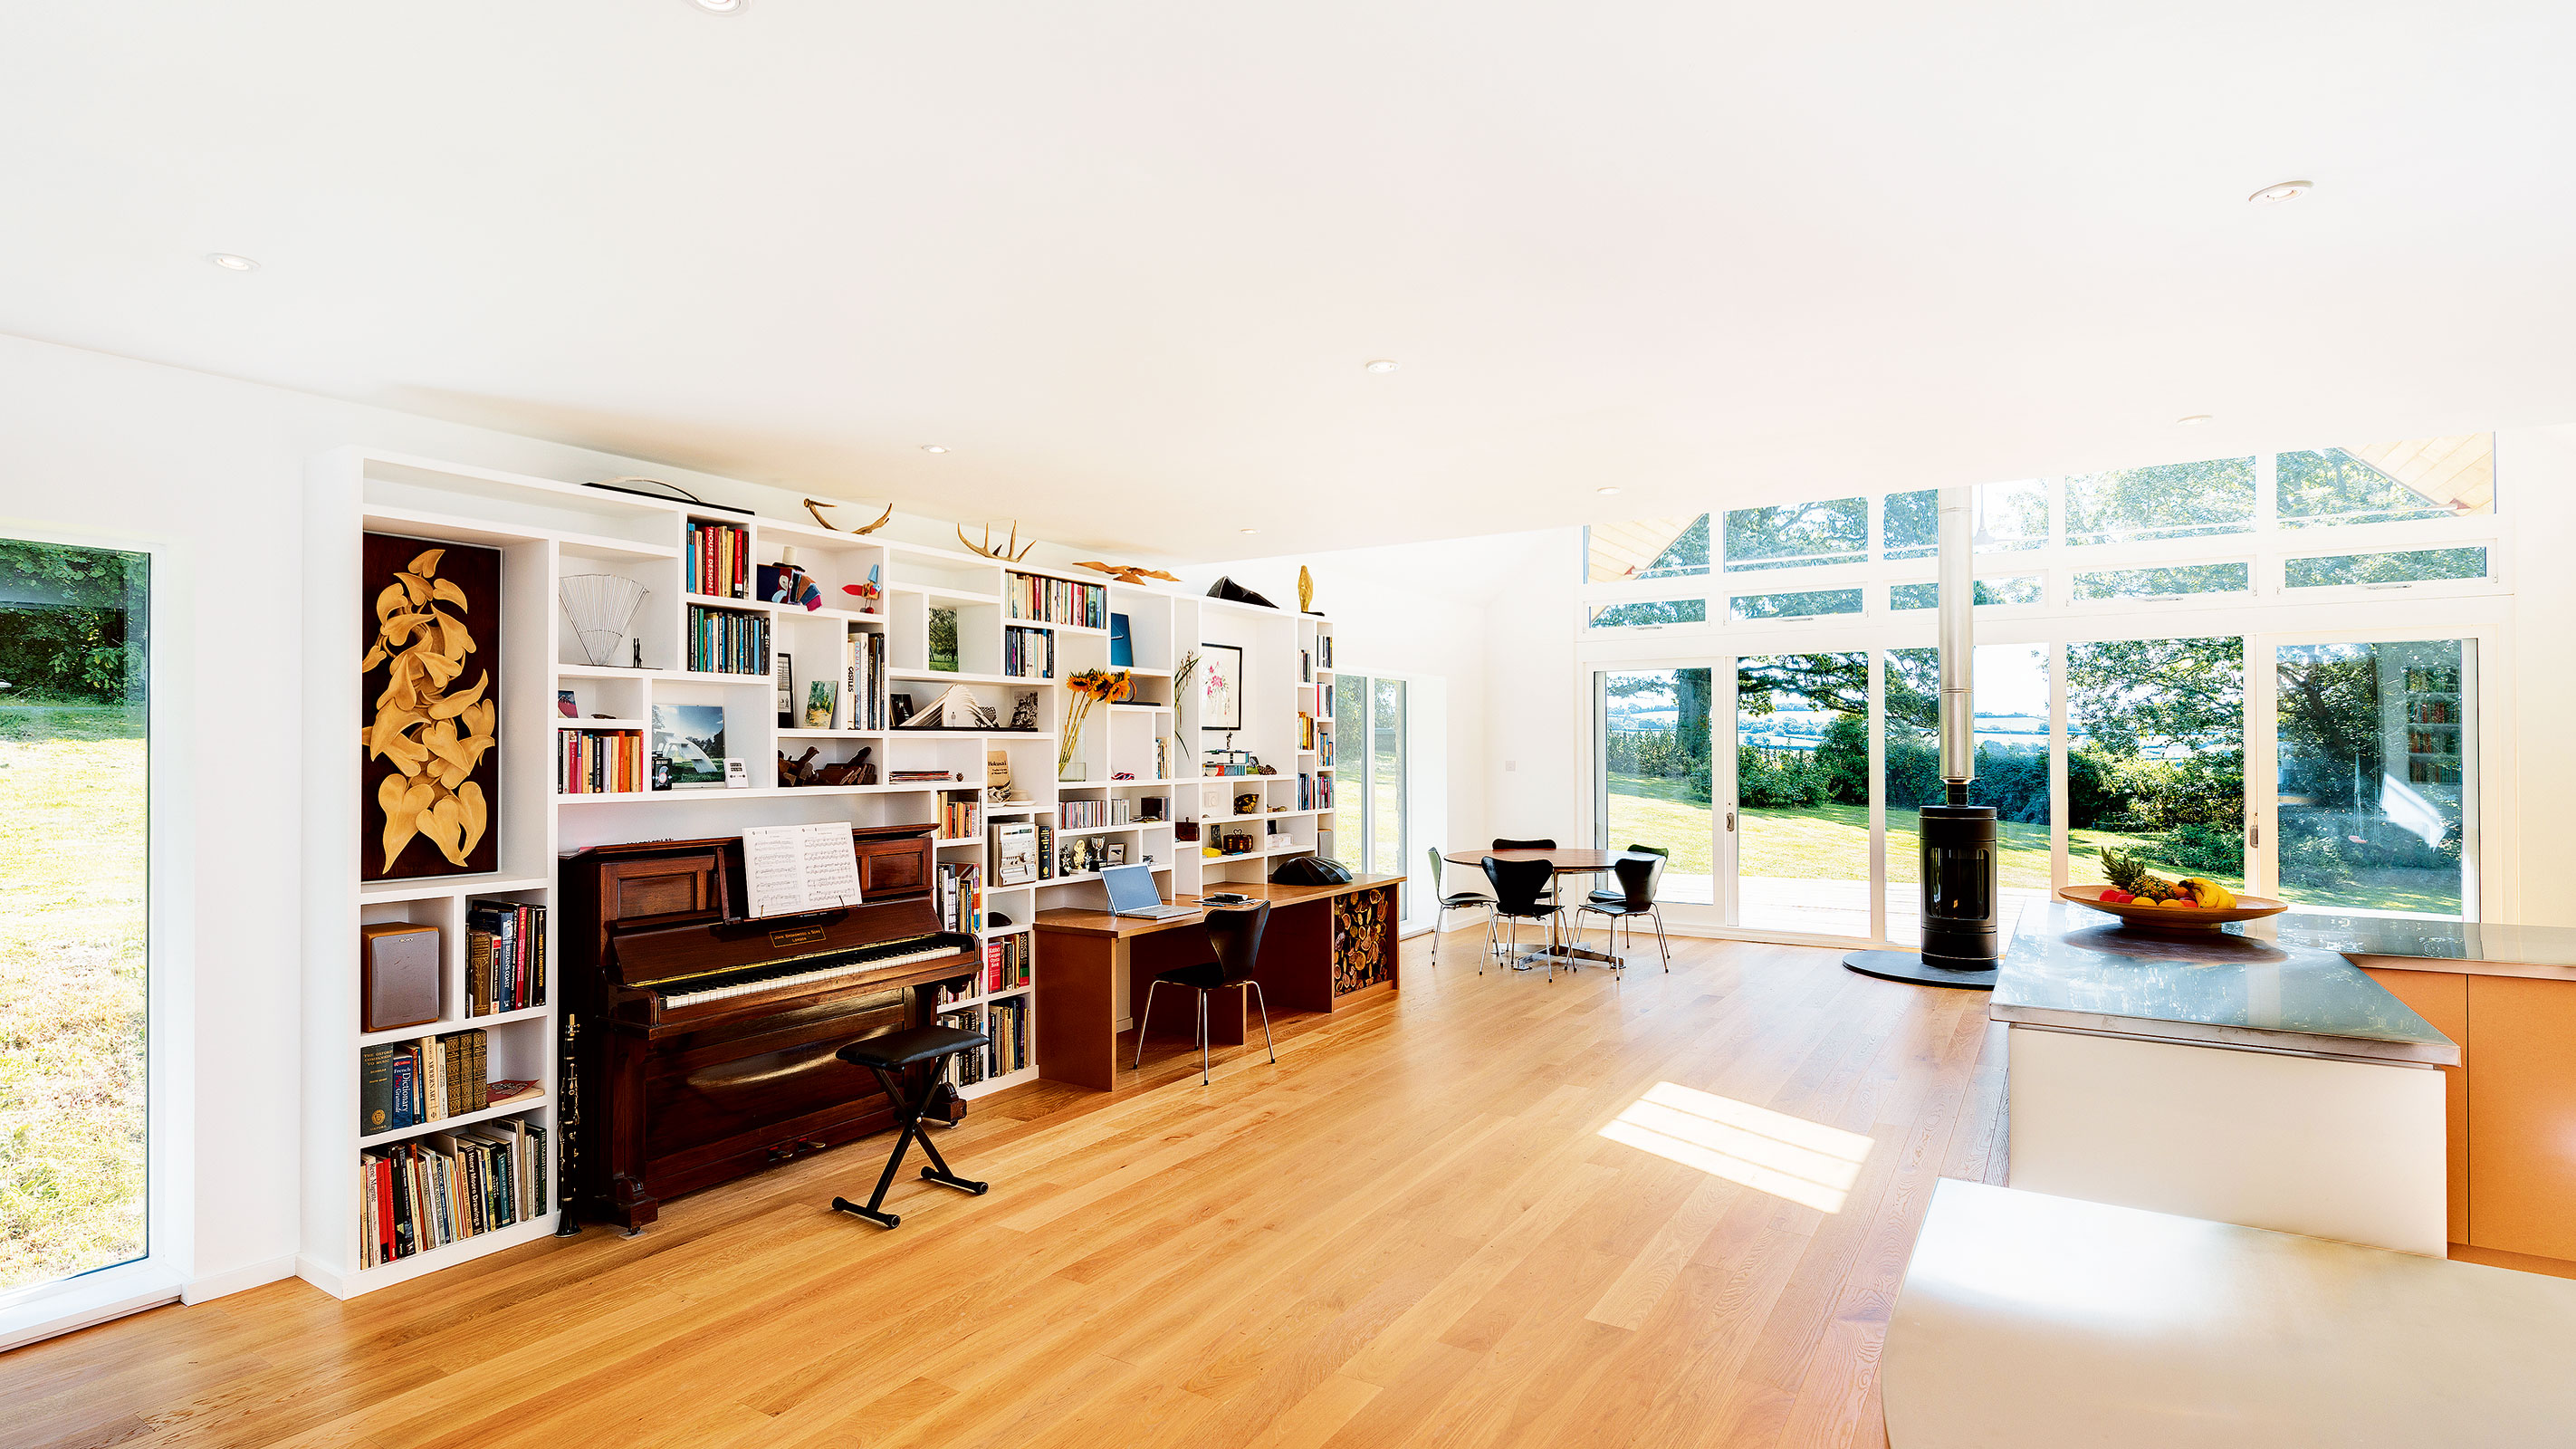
x,y
1407,1232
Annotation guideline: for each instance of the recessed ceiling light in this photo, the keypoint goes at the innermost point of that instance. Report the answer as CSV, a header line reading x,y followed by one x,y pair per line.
x,y
232,263
1383,364
2193,421
933,448
1252,530
720,7
2281,191
1605,492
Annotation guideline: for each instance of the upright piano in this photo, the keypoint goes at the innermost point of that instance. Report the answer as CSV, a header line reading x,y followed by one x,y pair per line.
x,y
702,1044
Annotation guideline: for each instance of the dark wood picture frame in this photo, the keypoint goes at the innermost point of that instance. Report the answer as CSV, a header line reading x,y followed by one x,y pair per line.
x,y
472,597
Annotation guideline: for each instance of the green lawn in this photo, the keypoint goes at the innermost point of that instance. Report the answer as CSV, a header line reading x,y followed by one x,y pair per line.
x,y
1831,842
71,990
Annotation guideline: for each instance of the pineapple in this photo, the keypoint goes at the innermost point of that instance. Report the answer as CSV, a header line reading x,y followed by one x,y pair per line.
x,y
2129,873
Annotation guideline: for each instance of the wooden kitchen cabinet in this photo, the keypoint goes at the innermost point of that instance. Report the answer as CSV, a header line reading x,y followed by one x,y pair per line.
x,y
2522,1114
2442,999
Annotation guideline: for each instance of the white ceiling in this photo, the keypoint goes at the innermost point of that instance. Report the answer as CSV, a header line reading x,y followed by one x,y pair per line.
x,y
1126,259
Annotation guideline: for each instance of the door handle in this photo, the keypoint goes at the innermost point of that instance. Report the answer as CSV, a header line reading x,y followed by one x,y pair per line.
x,y
1730,822
2254,833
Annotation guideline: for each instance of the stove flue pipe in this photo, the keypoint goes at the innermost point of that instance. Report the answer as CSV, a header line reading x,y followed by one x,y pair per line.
x,y
1958,642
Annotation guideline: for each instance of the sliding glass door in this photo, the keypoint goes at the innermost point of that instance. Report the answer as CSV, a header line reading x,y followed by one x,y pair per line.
x,y
2375,764
1372,822
1652,735
74,958
1802,792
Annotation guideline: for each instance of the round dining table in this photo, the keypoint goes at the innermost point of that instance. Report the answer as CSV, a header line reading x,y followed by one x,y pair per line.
x,y
1565,862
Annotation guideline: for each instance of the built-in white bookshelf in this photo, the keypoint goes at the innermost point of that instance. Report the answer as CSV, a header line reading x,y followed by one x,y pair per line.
x,y
1148,748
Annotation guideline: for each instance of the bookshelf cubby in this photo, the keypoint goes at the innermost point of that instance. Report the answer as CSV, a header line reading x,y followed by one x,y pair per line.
x,y
1148,747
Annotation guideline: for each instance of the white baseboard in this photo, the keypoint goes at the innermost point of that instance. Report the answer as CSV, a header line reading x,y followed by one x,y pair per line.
x,y
216,1285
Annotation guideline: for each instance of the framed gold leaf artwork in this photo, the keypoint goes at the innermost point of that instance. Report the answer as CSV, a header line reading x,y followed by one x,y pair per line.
x,y
430,776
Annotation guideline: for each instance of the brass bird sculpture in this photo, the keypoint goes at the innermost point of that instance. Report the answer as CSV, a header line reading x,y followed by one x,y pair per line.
x,y
1128,573
816,506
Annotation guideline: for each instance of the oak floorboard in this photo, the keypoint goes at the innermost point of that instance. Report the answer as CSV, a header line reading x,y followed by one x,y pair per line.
x,y
1408,1231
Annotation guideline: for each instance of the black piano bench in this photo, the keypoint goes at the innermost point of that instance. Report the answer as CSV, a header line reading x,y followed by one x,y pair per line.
x,y
886,1055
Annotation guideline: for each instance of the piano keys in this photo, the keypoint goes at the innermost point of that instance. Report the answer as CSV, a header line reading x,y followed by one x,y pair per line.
x,y
704,1042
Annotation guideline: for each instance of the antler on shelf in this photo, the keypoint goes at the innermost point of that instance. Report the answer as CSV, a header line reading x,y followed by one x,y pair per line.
x,y
816,506
1003,554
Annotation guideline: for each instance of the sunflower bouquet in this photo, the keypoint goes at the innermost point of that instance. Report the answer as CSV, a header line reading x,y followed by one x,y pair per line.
x,y
1090,687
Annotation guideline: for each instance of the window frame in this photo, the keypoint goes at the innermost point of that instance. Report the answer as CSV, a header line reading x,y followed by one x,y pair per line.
x,y
165,1271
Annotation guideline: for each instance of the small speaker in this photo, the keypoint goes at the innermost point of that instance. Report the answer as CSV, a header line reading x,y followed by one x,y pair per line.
x,y
398,968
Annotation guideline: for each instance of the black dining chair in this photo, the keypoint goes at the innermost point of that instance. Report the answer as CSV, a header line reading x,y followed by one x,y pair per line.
x,y
1502,844
1613,893
1235,937
1520,894
1640,874
1460,901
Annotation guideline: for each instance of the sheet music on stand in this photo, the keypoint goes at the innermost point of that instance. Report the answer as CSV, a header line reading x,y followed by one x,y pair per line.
x,y
794,869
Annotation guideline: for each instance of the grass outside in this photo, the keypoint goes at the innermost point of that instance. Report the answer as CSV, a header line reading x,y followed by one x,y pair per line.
x,y
1831,842
71,990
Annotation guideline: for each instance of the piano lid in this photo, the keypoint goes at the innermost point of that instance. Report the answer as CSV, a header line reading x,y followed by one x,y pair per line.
x,y
672,953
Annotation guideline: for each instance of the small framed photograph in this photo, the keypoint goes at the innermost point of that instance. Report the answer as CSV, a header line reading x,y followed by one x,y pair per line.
x,y
1117,852
689,746
782,673
565,705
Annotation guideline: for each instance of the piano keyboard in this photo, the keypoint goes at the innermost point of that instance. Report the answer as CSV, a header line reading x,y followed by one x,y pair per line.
x,y
786,976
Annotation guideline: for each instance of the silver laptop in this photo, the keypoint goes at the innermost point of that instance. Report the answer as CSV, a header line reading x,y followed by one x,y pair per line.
x,y
1132,893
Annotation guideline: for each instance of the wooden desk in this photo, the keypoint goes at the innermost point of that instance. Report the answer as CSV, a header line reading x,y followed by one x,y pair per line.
x,y
1326,948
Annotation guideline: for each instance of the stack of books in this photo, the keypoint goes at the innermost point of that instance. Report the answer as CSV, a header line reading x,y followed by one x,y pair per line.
x,y
1056,601
964,1069
959,817
1028,653
598,762
719,560
1007,1022
407,1084
961,896
1007,961
505,957
863,686
949,993
722,641
414,1197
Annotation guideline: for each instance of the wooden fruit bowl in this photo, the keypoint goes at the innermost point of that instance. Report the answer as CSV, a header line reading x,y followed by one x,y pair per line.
x,y
2171,918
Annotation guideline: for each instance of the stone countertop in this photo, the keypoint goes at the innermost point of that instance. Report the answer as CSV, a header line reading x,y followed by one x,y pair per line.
x,y
2474,947
2031,1322
2079,970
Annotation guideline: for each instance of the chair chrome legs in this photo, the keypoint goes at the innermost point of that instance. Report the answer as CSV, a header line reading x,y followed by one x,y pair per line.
x,y
1263,998
1146,1016
1660,941
1203,1039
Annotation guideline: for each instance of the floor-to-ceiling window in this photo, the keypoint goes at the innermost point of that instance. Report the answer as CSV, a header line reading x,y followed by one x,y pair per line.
x,y
2233,667
74,958
1372,773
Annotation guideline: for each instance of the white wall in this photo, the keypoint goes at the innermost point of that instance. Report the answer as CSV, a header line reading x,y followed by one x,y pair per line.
x,y
214,470
1426,613
2536,486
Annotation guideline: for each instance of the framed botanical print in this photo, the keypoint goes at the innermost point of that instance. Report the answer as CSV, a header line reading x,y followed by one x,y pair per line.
x,y
1220,687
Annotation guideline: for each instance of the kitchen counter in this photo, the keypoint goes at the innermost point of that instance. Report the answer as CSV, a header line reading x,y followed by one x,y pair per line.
x,y
2034,1322
2071,969
2474,948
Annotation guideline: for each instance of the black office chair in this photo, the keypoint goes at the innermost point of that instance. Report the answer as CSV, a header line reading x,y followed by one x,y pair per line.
x,y
1520,888
1461,901
1640,873
1235,937
920,1046
1502,844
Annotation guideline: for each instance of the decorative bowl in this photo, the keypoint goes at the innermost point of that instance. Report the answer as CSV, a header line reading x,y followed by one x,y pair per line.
x,y
2171,918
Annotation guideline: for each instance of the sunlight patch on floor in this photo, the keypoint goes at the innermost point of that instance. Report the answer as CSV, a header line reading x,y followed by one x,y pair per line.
x,y
1787,1157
